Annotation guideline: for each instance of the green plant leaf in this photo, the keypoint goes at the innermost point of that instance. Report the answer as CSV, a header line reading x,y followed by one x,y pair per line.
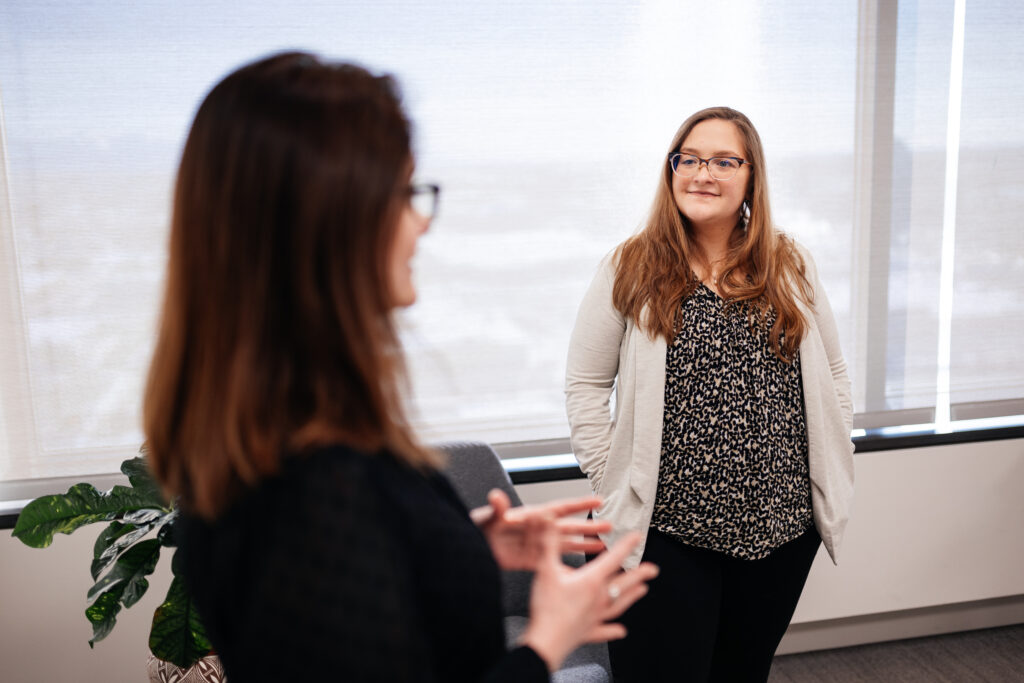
x,y
177,634
117,537
101,557
113,531
144,517
133,512
102,614
124,585
166,533
137,471
127,578
81,505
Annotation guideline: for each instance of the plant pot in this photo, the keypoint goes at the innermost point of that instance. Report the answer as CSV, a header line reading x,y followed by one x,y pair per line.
x,y
206,670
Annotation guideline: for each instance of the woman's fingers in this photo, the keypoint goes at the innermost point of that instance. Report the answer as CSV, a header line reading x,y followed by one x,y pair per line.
x,y
581,536
602,633
625,599
556,510
624,582
572,506
551,550
583,527
610,561
587,546
569,506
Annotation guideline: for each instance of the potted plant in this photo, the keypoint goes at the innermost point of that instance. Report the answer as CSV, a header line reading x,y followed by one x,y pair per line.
x,y
140,522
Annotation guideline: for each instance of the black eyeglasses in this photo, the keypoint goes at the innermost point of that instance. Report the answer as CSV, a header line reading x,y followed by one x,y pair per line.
x,y
720,168
424,199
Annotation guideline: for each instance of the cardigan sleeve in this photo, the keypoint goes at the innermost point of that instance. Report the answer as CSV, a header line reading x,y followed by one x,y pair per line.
x,y
826,322
591,367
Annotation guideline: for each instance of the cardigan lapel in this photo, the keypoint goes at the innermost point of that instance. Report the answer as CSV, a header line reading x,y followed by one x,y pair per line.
x,y
648,411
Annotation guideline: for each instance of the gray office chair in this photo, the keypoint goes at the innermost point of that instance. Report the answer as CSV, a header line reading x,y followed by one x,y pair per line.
x,y
474,469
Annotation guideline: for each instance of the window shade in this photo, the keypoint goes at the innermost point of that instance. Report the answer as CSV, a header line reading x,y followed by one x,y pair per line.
x,y
546,124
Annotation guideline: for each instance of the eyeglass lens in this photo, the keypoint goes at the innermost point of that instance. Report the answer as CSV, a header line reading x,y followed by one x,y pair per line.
x,y
720,168
424,199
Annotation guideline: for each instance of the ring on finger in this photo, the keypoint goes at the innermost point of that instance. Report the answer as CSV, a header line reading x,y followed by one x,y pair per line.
x,y
614,592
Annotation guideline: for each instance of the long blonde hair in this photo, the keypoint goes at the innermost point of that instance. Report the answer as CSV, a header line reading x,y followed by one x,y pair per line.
x,y
762,266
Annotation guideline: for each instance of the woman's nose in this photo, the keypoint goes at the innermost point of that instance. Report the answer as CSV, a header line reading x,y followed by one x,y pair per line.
x,y
703,166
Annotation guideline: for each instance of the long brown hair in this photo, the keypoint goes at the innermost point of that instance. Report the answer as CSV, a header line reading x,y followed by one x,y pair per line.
x,y
655,266
276,333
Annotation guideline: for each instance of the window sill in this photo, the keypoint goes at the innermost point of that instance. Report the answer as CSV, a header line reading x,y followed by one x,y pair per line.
x,y
532,469
536,469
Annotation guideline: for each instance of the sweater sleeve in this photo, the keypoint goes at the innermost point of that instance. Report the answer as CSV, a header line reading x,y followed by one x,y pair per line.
x,y
518,666
591,368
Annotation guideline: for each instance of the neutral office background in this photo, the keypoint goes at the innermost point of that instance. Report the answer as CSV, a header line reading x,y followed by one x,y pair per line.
x,y
895,152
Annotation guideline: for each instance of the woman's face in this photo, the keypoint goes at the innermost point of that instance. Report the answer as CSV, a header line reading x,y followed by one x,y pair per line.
x,y
703,200
403,247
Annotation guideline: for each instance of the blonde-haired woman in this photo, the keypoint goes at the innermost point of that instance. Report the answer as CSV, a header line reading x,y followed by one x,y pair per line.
x,y
729,447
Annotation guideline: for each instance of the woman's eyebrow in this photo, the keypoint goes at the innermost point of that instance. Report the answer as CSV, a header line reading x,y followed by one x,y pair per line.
x,y
721,153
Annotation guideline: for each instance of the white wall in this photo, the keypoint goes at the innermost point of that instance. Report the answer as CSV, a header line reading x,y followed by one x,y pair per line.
x,y
936,544
44,635
931,526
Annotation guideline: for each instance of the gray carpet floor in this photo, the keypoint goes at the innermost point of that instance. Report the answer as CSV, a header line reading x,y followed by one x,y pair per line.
x,y
995,655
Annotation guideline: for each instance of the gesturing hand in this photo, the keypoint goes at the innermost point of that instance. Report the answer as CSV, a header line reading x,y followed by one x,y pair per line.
x,y
569,607
517,534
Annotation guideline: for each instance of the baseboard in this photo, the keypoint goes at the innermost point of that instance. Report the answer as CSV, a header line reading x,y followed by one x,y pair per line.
x,y
927,621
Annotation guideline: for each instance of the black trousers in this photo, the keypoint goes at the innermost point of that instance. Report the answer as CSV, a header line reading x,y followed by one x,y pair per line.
x,y
709,616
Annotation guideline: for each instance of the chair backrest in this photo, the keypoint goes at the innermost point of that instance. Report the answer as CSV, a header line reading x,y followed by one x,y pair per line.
x,y
474,469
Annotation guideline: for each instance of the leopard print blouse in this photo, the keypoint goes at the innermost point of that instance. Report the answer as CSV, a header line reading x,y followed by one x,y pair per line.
x,y
733,475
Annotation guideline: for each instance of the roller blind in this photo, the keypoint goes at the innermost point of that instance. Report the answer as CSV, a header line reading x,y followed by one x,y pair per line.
x,y
546,124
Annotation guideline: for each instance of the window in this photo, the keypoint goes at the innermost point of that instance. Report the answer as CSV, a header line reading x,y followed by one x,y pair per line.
x,y
546,122
938,256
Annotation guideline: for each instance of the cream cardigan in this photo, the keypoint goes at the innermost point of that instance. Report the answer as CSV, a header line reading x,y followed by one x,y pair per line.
x,y
620,453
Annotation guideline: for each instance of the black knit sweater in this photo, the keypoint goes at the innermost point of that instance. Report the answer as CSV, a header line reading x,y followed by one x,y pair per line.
x,y
351,567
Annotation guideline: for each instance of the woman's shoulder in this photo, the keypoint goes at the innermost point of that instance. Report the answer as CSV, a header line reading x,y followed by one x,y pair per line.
x,y
610,260
799,253
800,248
336,457
341,467
609,265
328,480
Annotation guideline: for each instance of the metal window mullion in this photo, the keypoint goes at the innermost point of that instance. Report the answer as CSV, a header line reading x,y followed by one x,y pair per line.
x,y
873,149
944,354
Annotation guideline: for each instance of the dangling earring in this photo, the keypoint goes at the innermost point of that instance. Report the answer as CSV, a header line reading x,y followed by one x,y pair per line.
x,y
745,214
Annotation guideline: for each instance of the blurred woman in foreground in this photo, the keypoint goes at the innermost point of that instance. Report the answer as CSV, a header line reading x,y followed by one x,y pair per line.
x,y
319,539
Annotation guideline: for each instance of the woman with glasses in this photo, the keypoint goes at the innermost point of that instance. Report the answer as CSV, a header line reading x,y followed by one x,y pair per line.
x,y
318,539
729,447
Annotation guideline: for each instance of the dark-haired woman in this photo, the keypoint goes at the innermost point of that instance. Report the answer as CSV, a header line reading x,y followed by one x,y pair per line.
x,y
319,540
729,449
